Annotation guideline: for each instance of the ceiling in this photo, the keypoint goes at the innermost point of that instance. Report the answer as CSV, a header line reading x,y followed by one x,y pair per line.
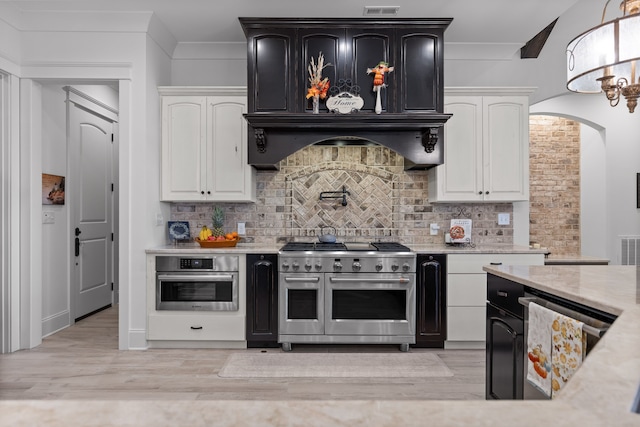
x,y
500,24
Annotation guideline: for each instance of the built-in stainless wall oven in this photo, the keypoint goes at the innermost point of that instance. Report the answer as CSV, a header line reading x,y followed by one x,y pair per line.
x,y
203,283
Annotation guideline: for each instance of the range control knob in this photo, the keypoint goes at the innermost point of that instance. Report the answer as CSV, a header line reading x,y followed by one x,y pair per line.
x,y
379,266
296,266
356,266
307,266
285,265
406,266
318,266
337,266
394,267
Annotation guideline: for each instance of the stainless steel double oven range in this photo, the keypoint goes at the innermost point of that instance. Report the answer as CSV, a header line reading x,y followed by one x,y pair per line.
x,y
346,293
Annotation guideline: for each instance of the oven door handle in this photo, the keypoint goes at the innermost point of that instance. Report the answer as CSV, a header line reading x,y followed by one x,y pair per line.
x,y
400,280
197,278
301,279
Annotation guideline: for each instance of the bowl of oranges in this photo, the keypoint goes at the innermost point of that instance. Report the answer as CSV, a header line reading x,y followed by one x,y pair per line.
x,y
208,240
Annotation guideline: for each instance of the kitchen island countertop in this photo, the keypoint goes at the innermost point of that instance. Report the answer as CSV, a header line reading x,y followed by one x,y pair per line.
x,y
601,393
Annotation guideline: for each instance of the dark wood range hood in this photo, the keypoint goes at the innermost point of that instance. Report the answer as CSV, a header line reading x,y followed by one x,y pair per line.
x,y
281,120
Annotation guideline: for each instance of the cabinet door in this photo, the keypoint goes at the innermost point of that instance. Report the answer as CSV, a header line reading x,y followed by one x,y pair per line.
x,y
431,297
184,136
505,149
460,178
270,70
262,300
329,42
420,77
229,176
366,48
504,357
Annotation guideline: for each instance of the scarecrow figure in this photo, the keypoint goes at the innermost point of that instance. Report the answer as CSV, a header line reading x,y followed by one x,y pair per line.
x,y
378,81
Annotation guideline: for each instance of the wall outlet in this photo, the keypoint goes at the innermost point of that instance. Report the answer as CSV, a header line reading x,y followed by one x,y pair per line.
x,y
503,219
159,219
241,229
433,229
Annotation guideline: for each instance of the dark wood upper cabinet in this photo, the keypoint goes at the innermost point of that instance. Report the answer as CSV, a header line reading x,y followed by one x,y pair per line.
x,y
271,70
421,78
280,116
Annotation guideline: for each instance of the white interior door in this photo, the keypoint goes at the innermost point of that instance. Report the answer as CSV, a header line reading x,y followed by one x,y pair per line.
x,y
91,199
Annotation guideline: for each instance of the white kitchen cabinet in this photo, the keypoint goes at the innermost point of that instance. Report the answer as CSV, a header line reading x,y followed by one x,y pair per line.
x,y
467,294
204,145
486,147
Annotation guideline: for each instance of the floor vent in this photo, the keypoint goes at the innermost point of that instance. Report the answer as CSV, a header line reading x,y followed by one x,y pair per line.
x,y
630,250
381,10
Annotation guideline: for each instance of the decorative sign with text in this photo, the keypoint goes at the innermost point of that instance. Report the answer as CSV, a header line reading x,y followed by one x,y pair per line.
x,y
345,103
460,231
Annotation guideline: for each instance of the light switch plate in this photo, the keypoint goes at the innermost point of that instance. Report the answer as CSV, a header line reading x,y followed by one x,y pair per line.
x,y
48,217
241,229
503,219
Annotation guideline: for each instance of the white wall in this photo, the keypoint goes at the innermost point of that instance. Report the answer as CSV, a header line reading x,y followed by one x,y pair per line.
x,y
593,193
54,239
139,65
210,64
619,163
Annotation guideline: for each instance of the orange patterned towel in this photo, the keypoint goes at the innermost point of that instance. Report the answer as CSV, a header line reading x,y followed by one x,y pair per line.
x,y
539,347
569,349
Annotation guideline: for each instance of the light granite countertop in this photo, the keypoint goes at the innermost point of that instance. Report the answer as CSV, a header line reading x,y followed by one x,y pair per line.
x,y
601,393
248,248
560,259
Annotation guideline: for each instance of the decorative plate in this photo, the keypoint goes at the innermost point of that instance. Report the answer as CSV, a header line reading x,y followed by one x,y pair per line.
x,y
179,230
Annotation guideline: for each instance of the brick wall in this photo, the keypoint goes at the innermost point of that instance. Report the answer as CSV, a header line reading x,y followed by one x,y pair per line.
x,y
384,202
555,184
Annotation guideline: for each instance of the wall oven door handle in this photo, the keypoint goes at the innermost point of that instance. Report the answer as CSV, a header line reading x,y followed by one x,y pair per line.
x,y
589,329
400,280
196,278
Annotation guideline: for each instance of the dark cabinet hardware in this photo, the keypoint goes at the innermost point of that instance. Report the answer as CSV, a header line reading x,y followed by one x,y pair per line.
x,y
196,328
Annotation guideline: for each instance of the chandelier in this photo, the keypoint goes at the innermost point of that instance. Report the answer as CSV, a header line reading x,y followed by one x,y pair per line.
x,y
603,59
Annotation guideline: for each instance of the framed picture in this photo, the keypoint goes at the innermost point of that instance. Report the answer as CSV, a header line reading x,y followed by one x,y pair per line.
x,y
179,230
52,189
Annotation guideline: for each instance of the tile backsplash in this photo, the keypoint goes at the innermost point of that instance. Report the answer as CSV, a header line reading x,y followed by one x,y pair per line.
x,y
385,202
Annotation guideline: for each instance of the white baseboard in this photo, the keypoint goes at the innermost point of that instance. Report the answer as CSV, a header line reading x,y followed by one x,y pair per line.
x,y
465,345
55,323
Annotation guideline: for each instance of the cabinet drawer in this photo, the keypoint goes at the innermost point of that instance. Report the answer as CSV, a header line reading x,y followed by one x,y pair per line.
x,y
466,290
466,323
473,263
196,327
504,293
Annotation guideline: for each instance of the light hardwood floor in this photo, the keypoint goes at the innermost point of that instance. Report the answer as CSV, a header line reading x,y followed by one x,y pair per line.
x,y
83,362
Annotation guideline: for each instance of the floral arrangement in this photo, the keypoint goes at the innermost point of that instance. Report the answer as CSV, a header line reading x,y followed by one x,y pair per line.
x,y
318,86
